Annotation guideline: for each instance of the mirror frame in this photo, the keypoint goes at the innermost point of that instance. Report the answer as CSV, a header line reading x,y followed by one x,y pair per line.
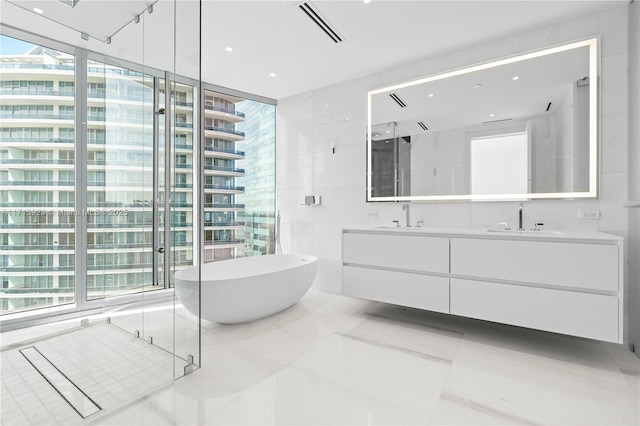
x,y
594,125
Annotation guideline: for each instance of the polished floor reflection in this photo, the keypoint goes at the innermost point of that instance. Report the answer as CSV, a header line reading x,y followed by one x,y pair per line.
x,y
336,360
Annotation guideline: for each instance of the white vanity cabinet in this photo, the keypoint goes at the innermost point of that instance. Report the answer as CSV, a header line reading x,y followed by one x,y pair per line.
x,y
569,284
404,269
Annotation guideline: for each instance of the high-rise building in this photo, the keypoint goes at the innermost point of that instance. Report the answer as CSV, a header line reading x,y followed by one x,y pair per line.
x,y
221,208
239,149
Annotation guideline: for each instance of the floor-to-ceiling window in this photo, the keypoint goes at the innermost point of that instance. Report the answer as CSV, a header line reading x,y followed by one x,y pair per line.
x,y
121,212
239,177
123,228
37,175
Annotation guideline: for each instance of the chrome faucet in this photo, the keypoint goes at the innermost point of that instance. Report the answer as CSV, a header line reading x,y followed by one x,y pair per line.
x,y
520,209
406,208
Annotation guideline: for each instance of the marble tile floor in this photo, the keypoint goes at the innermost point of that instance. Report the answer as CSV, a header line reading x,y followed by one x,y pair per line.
x,y
332,360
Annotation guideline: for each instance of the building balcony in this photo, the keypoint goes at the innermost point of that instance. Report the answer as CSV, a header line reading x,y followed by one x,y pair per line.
x,y
40,227
223,244
132,266
223,207
10,140
223,171
34,205
20,292
105,204
138,99
183,104
36,248
135,226
35,116
224,225
181,125
222,133
23,93
183,147
212,151
120,121
25,161
223,189
117,71
125,144
43,269
123,246
36,183
224,113
47,67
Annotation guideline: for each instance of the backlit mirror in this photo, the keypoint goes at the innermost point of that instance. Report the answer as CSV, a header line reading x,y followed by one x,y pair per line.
x,y
523,127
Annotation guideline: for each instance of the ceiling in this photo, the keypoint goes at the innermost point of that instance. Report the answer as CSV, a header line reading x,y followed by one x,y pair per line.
x,y
278,37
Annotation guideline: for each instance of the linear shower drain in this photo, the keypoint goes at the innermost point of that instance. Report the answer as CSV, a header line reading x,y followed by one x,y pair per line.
x,y
65,387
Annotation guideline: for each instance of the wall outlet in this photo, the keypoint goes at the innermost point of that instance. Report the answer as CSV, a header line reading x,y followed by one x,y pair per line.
x,y
589,214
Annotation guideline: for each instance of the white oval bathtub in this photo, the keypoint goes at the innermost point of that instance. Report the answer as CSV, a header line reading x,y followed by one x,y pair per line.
x,y
247,288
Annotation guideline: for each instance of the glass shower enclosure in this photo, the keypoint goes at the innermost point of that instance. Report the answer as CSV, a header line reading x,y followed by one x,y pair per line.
x,y
99,197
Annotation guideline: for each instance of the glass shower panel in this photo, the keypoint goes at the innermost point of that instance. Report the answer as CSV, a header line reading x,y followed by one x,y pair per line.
x,y
80,176
185,174
119,181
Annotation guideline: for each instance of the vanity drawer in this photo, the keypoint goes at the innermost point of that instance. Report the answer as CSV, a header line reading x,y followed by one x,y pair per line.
x,y
400,288
583,266
405,252
579,314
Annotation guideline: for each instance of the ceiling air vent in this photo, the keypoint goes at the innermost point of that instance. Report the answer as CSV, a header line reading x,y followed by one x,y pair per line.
x,y
70,3
313,13
423,126
399,101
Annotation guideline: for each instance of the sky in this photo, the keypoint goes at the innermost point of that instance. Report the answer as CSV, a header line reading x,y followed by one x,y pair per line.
x,y
12,46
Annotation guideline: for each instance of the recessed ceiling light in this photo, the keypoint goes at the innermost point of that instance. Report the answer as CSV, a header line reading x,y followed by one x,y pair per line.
x,y
366,1
388,131
491,115
515,77
229,49
477,86
273,74
38,10
431,95
327,105
346,119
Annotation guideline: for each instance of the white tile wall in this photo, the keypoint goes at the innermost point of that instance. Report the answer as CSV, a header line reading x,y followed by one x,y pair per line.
x,y
633,242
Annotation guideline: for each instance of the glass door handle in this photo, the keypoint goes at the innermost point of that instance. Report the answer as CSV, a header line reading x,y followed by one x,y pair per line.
x,y
160,250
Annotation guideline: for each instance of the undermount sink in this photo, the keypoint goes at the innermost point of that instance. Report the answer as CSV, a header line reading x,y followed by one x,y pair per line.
x,y
524,231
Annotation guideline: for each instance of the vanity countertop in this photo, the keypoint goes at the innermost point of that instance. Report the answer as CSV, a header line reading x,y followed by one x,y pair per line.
x,y
543,234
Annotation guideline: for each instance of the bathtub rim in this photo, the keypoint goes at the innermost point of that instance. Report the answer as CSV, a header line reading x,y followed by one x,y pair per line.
x,y
191,274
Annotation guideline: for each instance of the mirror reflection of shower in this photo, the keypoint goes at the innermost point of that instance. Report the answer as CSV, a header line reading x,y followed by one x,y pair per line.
x,y
391,161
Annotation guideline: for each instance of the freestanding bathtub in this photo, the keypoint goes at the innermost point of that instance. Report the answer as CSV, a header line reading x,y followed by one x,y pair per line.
x,y
247,288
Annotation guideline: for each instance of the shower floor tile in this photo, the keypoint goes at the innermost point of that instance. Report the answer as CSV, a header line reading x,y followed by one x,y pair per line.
x,y
108,364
